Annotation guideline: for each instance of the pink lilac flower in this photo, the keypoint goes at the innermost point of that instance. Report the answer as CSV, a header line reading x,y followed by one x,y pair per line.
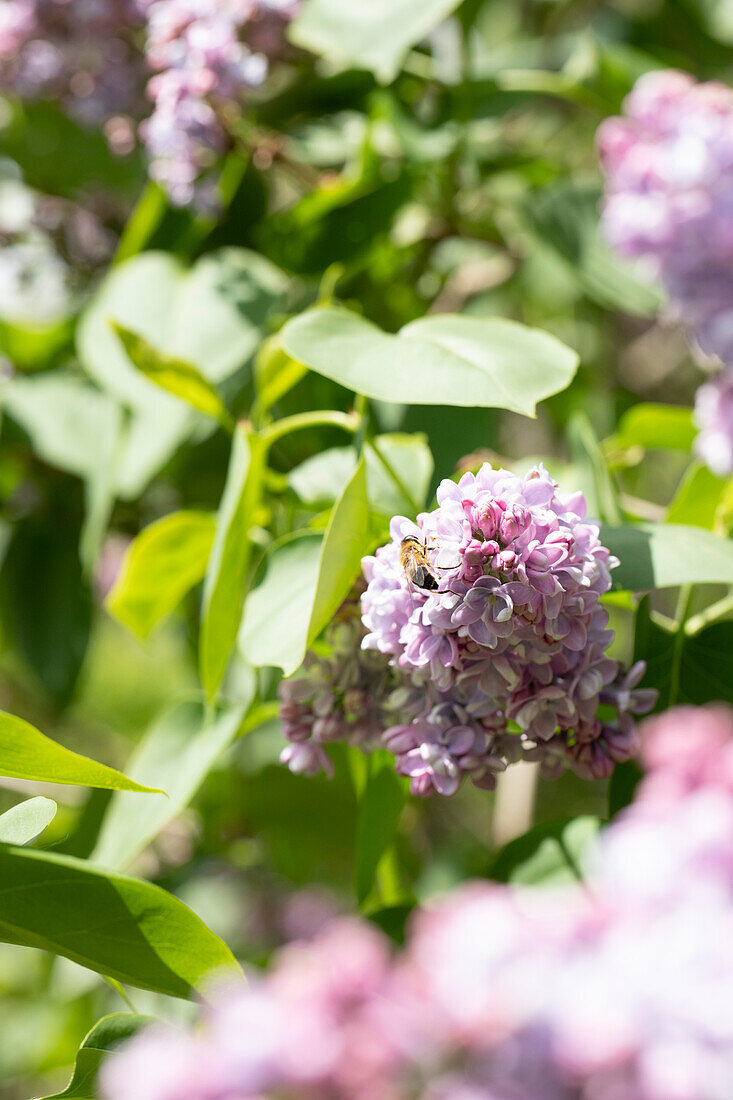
x,y
619,988
207,54
514,633
669,205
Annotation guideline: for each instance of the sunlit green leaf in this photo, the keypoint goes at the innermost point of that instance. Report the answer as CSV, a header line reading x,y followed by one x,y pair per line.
x,y
650,426
437,360
177,376
550,854
161,565
666,555
128,929
26,753
380,807
177,753
226,576
306,580
699,498
212,315
322,477
103,1038
367,34
23,823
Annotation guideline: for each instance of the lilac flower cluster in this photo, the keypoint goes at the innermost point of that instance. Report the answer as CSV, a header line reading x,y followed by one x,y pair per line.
x,y
204,53
618,989
341,694
80,53
669,205
514,633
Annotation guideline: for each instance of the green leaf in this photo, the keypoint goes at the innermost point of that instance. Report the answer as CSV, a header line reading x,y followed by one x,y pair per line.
x,y
74,427
226,576
565,217
702,669
699,498
119,926
178,752
437,360
657,426
321,478
549,854
380,809
212,315
667,555
277,612
103,1038
587,455
177,376
23,823
161,565
307,579
344,544
47,599
26,753
367,34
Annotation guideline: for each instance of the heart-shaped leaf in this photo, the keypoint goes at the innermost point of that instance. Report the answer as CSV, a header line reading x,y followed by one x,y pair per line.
x,y
437,360
367,34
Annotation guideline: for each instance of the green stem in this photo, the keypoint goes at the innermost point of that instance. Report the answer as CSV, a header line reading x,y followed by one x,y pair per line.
x,y
409,498
348,422
683,610
361,410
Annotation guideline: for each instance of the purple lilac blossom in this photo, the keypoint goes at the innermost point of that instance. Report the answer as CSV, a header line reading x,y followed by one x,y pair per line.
x,y
80,53
618,988
669,205
515,634
206,55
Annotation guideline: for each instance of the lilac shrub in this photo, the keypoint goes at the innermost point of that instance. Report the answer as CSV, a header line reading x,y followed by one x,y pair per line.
x,y
505,659
669,205
617,989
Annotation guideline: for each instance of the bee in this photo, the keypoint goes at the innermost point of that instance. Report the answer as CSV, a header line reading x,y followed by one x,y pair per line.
x,y
414,561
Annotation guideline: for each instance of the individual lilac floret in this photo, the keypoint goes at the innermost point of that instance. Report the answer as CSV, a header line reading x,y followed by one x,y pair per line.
x,y
206,54
714,418
514,634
